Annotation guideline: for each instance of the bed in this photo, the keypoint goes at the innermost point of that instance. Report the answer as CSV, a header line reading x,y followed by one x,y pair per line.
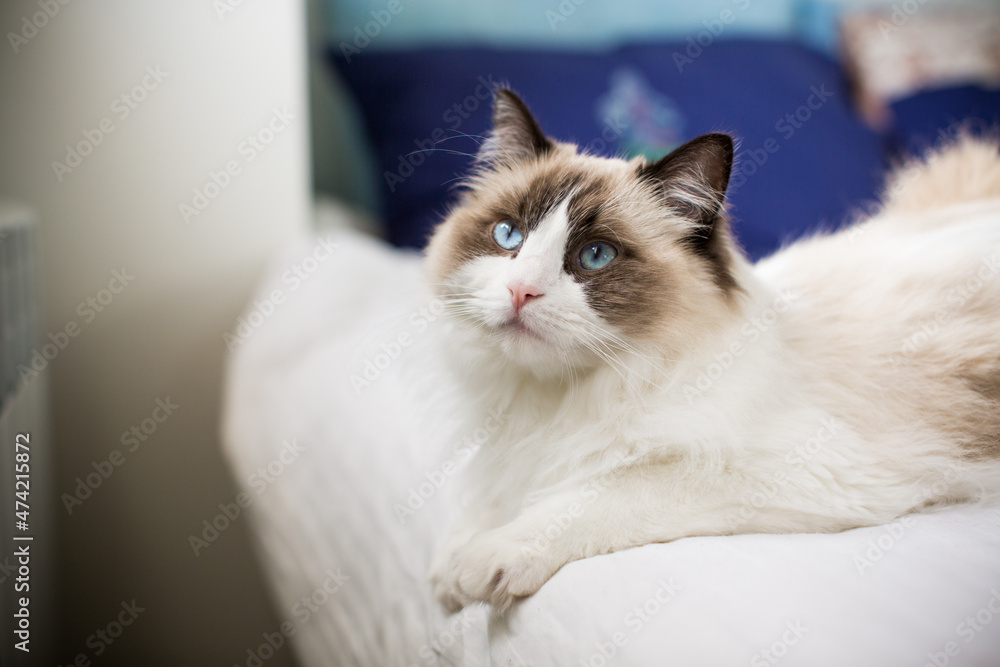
x,y
351,513
355,492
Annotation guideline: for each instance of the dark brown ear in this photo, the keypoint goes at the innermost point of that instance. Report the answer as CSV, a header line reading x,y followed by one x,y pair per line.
x,y
694,177
692,181
516,135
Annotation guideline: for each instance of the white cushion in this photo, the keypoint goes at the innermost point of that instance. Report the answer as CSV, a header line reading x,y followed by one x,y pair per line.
x,y
901,594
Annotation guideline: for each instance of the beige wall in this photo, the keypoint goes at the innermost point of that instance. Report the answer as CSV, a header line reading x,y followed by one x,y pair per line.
x,y
161,335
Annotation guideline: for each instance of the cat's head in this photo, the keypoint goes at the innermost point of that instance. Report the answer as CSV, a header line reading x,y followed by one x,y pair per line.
x,y
559,260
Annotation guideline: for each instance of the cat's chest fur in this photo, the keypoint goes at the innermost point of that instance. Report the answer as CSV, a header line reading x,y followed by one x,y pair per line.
x,y
733,401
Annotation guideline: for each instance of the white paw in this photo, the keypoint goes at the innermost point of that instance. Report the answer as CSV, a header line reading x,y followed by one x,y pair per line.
x,y
491,568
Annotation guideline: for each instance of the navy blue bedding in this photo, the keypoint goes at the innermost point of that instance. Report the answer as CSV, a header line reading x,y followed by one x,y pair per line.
x,y
805,160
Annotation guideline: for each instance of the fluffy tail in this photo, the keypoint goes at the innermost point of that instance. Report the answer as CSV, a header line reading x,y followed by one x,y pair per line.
x,y
963,171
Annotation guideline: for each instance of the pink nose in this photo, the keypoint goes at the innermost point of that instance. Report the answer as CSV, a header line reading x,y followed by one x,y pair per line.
x,y
520,293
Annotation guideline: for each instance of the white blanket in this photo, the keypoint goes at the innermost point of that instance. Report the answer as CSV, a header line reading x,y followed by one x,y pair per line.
x,y
330,457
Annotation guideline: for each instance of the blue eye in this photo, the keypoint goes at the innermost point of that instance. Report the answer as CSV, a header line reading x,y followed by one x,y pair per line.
x,y
596,255
507,235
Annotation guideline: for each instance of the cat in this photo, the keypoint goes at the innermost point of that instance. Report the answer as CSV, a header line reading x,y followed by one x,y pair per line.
x,y
656,385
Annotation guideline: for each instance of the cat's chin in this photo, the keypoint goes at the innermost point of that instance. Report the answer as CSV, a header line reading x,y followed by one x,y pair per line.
x,y
527,349
515,344
520,332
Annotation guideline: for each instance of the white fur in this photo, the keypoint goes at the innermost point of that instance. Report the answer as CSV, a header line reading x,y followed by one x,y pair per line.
x,y
784,422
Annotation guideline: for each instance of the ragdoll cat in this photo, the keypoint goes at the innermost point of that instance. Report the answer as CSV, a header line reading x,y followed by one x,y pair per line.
x,y
655,385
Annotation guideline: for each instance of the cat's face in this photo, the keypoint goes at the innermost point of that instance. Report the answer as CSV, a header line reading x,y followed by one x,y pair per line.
x,y
559,261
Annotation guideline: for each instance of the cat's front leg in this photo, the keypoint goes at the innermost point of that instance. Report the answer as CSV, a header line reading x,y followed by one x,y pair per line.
x,y
617,510
468,525
497,566
586,518
448,595
631,507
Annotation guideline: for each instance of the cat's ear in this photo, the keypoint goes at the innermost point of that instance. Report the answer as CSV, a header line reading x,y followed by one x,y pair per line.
x,y
694,177
516,135
692,181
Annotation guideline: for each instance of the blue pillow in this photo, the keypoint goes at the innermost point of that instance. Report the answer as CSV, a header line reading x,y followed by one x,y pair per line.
x,y
927,118
805,160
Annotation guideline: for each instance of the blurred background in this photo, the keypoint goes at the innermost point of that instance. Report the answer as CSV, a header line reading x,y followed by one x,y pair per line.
x,y
155,156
